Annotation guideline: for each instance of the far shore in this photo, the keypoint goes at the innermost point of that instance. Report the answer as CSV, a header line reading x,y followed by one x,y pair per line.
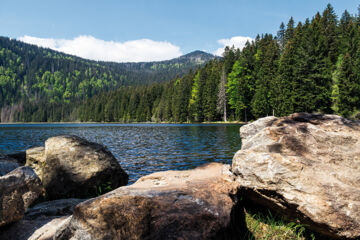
x,y
218,122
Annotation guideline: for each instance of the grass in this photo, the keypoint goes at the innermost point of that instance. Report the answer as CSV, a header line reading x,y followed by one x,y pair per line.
x,y
103,188
268,227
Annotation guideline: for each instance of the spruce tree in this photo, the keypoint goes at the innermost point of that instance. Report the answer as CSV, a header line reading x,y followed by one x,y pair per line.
x,y
280,37
241,84
266,66
221,106
348,88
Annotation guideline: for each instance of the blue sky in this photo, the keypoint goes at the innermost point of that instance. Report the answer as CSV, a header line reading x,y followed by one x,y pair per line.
x,y
150,26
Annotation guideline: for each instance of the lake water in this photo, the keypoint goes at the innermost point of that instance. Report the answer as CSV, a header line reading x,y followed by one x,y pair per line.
x,y
140,148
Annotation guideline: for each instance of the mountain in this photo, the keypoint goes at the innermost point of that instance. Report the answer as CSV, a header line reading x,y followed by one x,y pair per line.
x,y
160,71
194,58
32,73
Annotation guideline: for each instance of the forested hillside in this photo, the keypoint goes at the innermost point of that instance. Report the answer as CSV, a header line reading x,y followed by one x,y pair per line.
x,y
311,66
29,74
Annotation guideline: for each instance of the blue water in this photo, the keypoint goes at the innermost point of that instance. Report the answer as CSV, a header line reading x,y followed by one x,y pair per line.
x,y
140,148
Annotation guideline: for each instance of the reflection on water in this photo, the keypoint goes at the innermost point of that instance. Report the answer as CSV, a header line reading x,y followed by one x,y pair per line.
x,y
140,148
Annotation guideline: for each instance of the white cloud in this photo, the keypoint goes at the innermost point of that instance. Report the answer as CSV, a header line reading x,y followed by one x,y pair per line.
x,y
141,50
237,41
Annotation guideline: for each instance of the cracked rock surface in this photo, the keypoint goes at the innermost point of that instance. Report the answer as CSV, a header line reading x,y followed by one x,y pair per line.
x,y
193,204
306,167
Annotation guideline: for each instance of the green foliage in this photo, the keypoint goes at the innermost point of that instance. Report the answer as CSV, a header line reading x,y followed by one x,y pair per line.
x,y
335,93
268,226
349,88
240,87
103,188
33,74
311,66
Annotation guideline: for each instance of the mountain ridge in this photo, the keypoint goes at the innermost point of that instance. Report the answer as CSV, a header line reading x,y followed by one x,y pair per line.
x,y
191,54
32,73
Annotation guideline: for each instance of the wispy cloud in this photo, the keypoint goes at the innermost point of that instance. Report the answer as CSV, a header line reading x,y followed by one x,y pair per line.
x,y
96,49
237,41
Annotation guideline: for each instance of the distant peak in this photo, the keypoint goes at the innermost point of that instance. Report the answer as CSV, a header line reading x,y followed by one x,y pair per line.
x,y
197,53
198,57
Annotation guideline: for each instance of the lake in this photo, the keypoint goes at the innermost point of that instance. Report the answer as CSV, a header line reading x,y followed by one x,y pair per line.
x,y
141,149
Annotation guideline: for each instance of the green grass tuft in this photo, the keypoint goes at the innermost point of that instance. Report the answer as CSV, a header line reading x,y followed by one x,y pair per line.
x,y
268,227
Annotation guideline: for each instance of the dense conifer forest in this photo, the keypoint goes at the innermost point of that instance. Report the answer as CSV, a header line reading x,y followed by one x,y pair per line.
x,y
31,76
310,66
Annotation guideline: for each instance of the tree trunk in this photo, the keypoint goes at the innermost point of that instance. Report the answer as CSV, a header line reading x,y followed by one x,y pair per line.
x,y
225,117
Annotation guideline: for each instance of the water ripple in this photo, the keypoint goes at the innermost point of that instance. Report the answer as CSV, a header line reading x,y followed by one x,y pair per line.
x,y
141,149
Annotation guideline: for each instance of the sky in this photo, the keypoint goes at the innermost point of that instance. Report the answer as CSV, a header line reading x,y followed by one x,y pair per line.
x,y
151,30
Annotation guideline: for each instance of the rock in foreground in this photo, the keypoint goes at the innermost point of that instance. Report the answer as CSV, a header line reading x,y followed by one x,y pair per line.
x,y
18,190
73,167
305,167
194,204
41,221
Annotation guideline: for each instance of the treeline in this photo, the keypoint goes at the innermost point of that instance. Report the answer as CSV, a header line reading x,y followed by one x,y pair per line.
x,y
30,73
311,66
33,75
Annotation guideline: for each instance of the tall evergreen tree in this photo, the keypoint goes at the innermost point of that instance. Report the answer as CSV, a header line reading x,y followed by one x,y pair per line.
x,y
289,32
348,88
266,64
281,37
221,96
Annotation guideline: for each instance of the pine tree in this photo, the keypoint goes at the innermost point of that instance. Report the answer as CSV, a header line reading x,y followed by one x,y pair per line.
x,y
195,106
266,66
348,88
221,96
335,92
289,32
280,37
209,98
328,24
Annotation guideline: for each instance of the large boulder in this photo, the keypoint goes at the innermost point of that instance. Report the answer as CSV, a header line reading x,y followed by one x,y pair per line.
x,y
70,166
41,221
306,167
18,190
7,164
193,204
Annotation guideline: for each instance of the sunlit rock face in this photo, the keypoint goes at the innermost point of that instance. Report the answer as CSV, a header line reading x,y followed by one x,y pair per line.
x,y
304,166
193,204
70,166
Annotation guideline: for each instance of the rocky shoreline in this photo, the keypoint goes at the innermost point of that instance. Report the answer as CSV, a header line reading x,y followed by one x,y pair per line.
x,y
304,167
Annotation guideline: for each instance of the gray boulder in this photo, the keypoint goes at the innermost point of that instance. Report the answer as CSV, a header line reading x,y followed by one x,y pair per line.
x,y
306,167
41,221
70,166
193,204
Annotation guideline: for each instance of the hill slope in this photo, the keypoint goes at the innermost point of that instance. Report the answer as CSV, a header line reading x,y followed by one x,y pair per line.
x,y
32,73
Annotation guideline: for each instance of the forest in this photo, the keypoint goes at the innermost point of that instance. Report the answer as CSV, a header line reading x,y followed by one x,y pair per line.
x,y
37,76
310,66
